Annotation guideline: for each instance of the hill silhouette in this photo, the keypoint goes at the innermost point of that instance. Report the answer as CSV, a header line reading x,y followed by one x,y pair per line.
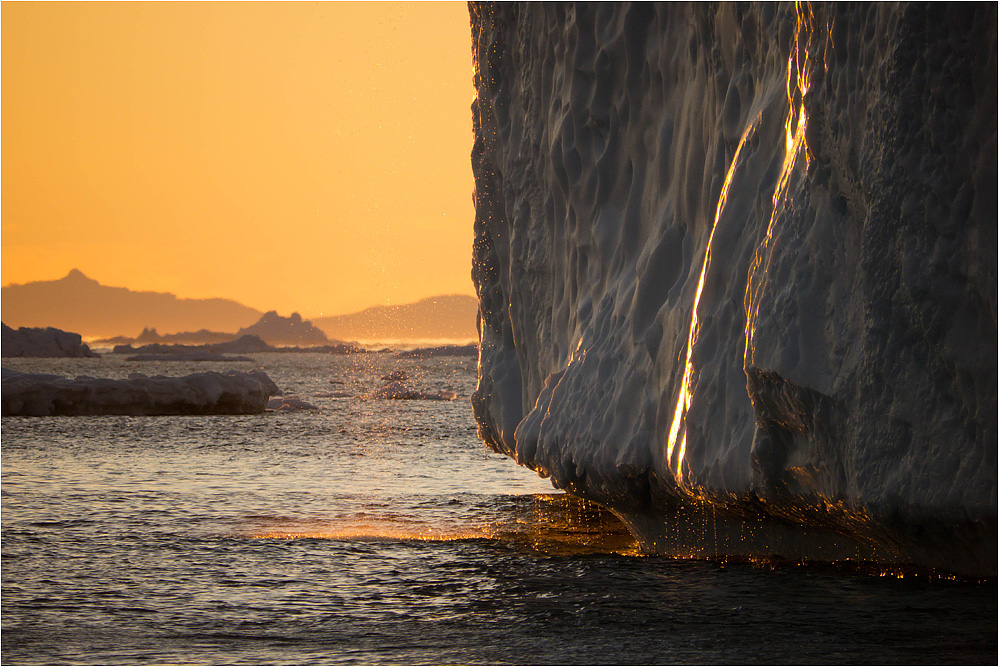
x,y
80,304
451,316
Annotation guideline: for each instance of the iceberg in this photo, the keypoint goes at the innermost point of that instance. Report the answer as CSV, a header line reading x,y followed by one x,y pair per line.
x,y
736,270
40,395
277,330
49,342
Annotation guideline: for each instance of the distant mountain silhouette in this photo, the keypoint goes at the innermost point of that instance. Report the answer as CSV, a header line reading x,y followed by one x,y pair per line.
x,y
80,304
452,316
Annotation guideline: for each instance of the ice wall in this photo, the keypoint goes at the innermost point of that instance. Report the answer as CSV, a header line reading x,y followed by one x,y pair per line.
x,y
736,268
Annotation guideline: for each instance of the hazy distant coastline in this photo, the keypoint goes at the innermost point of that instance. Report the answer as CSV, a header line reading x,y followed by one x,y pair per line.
x,y
120,316
451,316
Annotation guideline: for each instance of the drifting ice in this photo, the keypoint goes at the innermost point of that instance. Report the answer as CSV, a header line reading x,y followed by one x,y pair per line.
x,y
289,404
736,269
50,342
37,395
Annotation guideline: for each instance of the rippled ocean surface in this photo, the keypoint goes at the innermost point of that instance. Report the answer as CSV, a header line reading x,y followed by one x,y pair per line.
x,y
378,531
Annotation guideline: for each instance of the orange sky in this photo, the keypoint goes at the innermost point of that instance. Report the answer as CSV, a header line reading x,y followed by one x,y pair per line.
x,y
291,156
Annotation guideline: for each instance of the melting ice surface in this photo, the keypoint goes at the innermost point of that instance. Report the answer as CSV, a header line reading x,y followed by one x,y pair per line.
x,y
382,531
736,270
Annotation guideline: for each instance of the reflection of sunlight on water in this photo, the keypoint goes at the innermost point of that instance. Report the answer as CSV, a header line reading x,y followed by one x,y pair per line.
x,y
566,525
363,527
399,344
550,524
370,532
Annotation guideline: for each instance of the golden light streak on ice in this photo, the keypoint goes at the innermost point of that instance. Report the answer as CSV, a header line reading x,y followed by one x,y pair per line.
x,y
794,141
475,79
687,384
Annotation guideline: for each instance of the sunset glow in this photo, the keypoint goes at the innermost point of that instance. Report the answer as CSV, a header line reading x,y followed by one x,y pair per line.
x,y
291,156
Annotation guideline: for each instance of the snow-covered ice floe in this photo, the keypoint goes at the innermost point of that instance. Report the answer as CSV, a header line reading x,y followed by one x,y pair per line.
x,y
736,267
38,395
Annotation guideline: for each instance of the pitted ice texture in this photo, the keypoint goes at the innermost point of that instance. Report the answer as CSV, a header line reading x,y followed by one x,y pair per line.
x,y
736,267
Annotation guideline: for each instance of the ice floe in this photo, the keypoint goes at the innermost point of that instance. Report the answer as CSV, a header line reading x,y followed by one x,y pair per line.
x,y
49,342
38,395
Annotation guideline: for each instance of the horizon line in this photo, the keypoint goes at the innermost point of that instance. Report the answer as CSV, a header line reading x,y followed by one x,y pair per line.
x,y
230,299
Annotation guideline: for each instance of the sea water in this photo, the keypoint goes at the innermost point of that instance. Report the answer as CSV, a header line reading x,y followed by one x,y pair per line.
x,y
382,531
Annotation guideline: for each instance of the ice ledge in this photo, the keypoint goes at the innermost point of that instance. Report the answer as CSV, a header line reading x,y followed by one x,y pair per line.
x,y
736,268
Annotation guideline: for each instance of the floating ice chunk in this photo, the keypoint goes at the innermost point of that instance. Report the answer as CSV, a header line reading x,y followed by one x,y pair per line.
x,y
36,395
30,342
289,404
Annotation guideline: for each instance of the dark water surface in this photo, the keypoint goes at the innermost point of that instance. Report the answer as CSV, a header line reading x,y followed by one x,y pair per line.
x,y
383,532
